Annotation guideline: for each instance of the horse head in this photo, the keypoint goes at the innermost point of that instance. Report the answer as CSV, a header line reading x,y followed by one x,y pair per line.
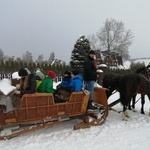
x,y
144,71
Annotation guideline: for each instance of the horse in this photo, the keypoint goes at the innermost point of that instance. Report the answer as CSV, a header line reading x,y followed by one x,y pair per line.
x,y
111,82
144,71
130,85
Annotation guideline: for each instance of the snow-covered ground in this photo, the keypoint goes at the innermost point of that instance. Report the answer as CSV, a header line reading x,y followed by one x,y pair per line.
x,y
114,134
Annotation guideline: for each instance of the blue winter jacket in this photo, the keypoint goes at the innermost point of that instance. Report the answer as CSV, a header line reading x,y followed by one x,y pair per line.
x,y
65,82
76,83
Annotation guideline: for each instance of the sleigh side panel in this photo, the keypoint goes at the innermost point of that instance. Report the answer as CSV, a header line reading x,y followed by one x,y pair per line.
x,y
41,106
99,96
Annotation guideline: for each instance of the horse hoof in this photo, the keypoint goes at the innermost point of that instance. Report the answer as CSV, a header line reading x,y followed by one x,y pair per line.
x,y
142,112
134,110
124,119
125,115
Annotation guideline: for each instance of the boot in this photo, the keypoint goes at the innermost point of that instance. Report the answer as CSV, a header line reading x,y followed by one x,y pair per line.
x,y
90,106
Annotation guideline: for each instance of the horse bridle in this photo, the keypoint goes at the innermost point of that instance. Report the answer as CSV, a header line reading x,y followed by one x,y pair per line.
x,y
147,70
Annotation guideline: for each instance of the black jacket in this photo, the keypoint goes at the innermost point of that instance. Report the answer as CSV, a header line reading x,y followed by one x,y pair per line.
x,y
89,69
31,85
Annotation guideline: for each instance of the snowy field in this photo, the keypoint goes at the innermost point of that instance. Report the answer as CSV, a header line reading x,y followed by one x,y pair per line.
x,y
114,134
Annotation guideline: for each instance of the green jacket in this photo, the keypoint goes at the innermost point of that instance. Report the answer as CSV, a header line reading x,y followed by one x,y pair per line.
x,y
38,82
46,86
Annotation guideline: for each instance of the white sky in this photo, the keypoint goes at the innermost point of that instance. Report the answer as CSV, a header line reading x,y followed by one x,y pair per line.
x,y
45,26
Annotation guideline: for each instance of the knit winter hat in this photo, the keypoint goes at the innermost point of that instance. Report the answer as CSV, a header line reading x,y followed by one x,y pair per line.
x,y
92,52
67,73
51,74
22,72
75,72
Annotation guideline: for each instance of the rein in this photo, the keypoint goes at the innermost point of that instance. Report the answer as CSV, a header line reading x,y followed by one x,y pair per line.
x,y
114,92
147,71
137,100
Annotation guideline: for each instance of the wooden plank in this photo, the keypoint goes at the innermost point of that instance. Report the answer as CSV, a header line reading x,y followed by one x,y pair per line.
x,y
29,129
10,120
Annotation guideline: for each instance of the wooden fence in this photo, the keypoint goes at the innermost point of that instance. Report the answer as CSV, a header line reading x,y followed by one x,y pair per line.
x,y
9,76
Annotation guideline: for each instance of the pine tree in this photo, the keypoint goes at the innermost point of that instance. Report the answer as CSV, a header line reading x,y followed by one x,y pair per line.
x,y
79,53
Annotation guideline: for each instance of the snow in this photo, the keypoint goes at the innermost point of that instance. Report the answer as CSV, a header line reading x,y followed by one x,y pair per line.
x,y
15,75
5,86
127,64
102,65
146,61
114,134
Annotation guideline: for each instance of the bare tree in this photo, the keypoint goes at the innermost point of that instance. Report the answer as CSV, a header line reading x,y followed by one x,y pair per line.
x,y
18,59
1,54
40,59
113,36
94,42
52,57
27,57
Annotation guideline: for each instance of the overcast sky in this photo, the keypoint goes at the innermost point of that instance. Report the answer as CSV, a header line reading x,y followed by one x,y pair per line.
x,y
45,26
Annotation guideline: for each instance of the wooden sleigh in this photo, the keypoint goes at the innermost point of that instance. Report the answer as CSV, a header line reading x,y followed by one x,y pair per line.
x,y
39,110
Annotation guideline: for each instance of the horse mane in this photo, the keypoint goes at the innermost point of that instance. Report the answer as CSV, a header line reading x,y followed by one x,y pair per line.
x,y
141,70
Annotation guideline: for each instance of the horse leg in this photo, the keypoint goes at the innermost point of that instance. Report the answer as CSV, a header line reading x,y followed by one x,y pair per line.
x,y
125,101
125,114
142,103
132,100
133,103
129,104
149,100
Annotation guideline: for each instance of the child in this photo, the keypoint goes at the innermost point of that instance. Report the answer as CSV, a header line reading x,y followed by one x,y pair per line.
x,y
65,81
75,85
47,84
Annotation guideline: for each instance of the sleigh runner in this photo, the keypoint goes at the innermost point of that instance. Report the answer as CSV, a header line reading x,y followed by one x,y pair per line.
x,y
39,110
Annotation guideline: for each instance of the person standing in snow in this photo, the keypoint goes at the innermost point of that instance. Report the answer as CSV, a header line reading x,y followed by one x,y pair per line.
x,y
90,75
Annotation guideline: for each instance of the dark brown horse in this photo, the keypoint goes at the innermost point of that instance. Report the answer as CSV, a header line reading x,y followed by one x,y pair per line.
x,y
111,82
130,85
146,72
